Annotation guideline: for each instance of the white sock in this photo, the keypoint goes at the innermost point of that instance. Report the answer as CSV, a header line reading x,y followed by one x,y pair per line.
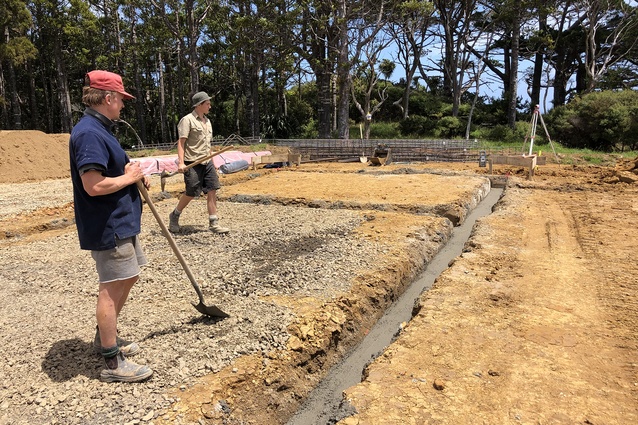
x,y
212,217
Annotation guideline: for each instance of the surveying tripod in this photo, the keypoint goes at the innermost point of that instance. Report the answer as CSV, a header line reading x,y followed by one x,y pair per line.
x,y
532,134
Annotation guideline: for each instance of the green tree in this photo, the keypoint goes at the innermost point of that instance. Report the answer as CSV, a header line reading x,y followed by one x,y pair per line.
x,y
455,27
249,55
606,24
16,50
64,33
409,30
367,78
316,44
184,20
359,24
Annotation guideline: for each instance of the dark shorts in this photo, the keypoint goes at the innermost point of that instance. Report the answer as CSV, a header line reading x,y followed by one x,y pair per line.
x,y
121,262
201,178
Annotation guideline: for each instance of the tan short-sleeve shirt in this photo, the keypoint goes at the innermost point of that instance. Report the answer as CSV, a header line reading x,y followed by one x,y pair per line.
x,y
198,135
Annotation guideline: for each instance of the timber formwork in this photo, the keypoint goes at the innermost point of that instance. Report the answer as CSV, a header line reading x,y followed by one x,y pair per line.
x,y
442,150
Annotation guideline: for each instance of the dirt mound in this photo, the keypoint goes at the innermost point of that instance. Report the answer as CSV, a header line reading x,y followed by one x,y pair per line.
x,y
29,155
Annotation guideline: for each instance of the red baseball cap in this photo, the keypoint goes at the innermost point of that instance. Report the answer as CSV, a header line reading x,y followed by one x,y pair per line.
x,y
105,80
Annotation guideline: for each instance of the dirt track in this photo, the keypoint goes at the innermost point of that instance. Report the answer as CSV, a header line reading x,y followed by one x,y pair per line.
x,y
534,323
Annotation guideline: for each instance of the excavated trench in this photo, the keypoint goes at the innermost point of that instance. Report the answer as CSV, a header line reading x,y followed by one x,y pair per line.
x,y
325,404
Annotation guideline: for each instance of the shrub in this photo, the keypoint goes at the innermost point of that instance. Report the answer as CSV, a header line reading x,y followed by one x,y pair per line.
x,y
276,126
389,111
504,134
384,130
416,125
448,127
299,113
309,130
523,129
604,121
499,133
424,104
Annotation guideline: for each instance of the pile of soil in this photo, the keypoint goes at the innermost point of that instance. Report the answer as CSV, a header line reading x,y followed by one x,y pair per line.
x,y
30,155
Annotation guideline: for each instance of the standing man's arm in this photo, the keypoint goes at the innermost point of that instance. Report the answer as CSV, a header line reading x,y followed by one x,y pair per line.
x,y
95,184
180,154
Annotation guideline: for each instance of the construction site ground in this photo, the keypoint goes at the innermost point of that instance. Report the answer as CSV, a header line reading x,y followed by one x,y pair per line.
x,y
535,323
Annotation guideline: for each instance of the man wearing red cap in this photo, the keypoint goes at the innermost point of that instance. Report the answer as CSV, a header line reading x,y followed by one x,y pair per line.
x,y
108,211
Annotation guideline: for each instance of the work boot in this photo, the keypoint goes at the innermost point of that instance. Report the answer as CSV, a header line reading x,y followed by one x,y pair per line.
x,y
173,222
214,226
119,369
128,348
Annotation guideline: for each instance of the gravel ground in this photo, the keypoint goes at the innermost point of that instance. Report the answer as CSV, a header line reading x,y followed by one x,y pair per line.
x,y
51,373
20,198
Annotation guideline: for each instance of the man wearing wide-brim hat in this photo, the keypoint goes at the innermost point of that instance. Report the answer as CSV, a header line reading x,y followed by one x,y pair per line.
x,y
195,135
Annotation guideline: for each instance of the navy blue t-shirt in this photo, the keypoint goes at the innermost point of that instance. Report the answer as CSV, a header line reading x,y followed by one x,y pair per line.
x,y
101,219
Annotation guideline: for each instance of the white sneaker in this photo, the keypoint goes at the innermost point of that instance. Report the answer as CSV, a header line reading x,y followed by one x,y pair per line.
x,y
214,227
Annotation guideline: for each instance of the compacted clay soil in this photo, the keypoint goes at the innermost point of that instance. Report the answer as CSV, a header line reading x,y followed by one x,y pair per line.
x,y
535,323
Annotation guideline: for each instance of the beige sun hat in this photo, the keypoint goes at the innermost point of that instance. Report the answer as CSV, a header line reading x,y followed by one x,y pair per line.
x,y
200,97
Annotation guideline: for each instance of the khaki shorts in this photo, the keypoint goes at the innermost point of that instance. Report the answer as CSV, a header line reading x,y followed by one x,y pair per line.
x,y
120,263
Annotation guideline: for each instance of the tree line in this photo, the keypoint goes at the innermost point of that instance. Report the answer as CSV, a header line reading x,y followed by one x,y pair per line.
x,y
292,68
